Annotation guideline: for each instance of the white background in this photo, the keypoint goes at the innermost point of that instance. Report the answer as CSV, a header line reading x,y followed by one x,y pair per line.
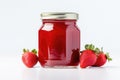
x,y
99,21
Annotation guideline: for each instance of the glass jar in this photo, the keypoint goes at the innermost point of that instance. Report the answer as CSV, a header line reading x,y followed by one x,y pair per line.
x,y
59,40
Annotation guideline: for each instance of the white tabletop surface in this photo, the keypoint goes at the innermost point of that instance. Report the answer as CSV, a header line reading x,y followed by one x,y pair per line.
x,y
12,68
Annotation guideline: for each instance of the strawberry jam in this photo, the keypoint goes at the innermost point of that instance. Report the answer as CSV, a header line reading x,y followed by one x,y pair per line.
x,y
59,40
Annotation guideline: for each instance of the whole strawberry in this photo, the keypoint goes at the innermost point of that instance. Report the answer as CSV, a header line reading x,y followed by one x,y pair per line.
x,y
102,58
93,57
88,56
29,58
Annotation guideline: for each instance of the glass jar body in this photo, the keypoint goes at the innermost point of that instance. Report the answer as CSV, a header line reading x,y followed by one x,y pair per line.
x,y
59,43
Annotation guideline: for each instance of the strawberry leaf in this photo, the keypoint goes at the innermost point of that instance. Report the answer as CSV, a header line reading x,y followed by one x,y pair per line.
x,y
34,51
97,50
92,47
25,50
87,46
108,57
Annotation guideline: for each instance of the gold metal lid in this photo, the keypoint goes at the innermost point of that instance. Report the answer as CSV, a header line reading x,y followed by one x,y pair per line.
x,y
59,15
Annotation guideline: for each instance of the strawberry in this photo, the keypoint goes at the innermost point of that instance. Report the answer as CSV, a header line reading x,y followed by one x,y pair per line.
x,y
29,58
88,56
102,58
93,57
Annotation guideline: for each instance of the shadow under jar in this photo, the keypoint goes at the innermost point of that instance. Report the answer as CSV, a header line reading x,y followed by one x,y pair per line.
x,y
59,40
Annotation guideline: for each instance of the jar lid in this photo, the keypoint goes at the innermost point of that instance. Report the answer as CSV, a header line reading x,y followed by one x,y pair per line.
x,y
59,15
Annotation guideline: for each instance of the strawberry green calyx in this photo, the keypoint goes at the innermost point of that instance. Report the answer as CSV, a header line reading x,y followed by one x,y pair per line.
x,y
97,50
108,57
25,50
89,46
92,47
34,51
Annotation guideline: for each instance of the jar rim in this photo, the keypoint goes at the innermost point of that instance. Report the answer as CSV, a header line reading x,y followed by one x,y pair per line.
x,y
59,15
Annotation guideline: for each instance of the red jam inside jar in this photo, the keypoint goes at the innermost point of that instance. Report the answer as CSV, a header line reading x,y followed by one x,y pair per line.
x,y
59,40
